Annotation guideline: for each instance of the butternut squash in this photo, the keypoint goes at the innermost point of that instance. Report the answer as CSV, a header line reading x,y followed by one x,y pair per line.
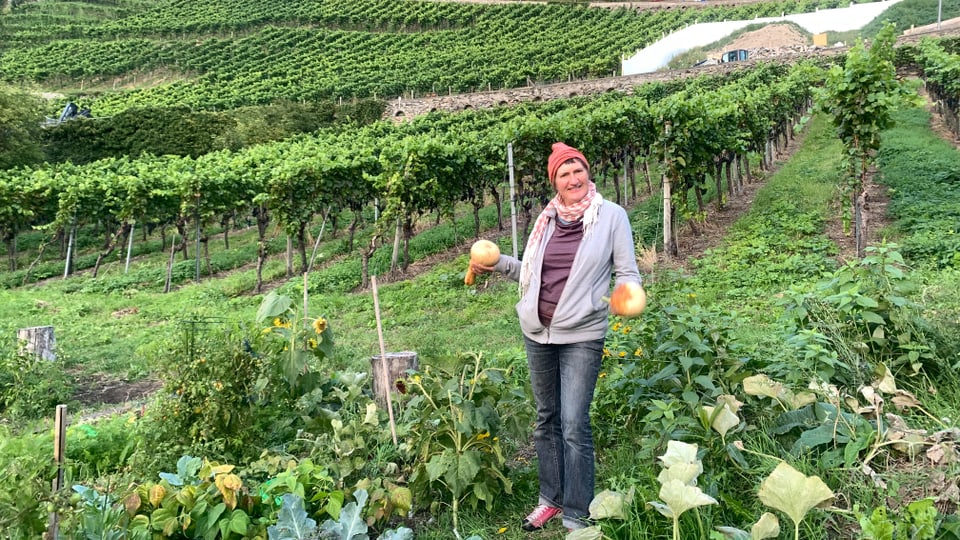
x,y
482,252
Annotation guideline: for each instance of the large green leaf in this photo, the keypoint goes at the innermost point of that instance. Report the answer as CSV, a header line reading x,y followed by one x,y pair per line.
x,y
272,306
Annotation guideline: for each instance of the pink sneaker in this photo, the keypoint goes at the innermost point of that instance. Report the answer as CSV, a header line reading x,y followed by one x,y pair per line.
x,y
540,516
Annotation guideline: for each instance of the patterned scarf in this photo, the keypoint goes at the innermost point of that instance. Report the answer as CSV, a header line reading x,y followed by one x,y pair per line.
x,y
588,208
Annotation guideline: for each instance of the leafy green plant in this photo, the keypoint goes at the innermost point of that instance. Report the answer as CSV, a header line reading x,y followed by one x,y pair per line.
x,y
864,314
25,473
202,499
860,96
216,385
30,387
294,524
456,419
96,449
101,518
297,340
694,346
310,482
917,521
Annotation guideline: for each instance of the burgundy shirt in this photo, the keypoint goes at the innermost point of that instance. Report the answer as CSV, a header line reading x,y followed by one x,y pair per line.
x,y
557,261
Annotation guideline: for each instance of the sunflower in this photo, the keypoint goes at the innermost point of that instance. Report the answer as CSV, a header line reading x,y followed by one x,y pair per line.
x,y
319,325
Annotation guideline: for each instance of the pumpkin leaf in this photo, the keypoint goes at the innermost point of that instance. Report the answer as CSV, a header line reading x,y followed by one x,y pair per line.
x,y
768,526
792,492
680,497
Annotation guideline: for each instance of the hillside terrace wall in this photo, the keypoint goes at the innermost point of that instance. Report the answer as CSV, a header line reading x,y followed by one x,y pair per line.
x,y
400,109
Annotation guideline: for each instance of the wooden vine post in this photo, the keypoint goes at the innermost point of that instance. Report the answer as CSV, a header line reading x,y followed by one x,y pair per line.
x,y
669,248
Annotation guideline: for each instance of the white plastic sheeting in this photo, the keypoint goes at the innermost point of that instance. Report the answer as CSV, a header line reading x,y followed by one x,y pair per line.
x,y
660,53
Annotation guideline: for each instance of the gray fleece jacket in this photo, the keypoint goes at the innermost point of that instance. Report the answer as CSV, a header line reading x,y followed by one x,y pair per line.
x,y
581,313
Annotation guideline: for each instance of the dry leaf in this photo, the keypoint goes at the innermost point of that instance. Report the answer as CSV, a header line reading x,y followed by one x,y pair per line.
x,y
886,383
904,400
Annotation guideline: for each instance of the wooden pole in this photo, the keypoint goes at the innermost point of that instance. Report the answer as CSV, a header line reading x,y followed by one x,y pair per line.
x,y
513,200
383,356
59,452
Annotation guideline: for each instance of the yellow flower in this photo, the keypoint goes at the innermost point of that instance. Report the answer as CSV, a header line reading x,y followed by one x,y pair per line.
x,y
623,353
616,326
483,435
638,352
312,343
319,325
277,321
217,385
627,329
501,530
603,374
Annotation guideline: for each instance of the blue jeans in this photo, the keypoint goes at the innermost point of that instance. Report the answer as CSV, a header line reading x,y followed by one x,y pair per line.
x,y
563,378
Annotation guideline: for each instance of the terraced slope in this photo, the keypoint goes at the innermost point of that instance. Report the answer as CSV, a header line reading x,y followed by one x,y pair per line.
x,y
215,55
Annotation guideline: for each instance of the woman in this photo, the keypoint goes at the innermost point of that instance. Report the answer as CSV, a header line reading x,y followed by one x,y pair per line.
x,y
577,243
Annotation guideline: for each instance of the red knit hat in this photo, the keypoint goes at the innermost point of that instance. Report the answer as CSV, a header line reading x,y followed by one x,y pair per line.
x,y
561,153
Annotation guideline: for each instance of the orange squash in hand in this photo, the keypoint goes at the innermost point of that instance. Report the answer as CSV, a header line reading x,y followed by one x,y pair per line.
x,y
482,252
628,300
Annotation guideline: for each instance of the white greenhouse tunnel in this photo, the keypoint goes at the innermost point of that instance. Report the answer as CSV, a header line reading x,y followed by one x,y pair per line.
x,y
660,53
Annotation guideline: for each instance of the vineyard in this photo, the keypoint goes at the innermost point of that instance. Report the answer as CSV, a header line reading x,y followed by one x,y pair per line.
x,y
813,390
242,53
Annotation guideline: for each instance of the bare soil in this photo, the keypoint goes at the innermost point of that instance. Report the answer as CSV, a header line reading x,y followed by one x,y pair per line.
x,y
772,36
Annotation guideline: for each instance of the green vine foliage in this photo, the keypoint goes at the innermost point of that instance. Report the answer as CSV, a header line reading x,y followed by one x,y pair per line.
x,y
860,96
457,419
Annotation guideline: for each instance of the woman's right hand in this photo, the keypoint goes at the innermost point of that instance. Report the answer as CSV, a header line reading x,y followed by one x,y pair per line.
x,y
474,270
480,268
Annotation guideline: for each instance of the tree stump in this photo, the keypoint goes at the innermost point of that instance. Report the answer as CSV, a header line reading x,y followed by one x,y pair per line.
x,y
384,375
38,341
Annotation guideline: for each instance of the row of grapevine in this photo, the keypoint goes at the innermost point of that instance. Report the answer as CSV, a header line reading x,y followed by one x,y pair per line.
x,y
308,51
941,71
425,166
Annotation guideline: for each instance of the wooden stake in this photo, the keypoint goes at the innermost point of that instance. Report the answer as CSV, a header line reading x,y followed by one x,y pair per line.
x,y
383,356
59,452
